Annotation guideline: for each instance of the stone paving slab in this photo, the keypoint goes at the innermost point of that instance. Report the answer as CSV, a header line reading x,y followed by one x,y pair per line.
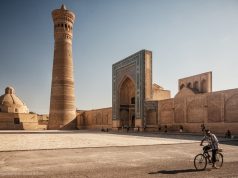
x,y
37,140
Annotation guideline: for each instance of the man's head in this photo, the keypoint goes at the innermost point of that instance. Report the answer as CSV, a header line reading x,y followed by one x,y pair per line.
x,y
208,132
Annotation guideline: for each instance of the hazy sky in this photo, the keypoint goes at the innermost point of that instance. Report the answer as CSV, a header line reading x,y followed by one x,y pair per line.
x,y
187,37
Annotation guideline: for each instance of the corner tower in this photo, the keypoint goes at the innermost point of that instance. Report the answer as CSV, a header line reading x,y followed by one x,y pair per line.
x,y
62,101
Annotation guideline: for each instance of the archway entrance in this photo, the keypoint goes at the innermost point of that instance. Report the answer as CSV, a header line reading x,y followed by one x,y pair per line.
x,y
127,103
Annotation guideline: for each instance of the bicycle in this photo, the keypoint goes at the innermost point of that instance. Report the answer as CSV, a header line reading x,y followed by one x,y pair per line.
x,y
201,159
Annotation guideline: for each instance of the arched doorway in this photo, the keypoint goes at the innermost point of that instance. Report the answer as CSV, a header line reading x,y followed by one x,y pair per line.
x,y
127,103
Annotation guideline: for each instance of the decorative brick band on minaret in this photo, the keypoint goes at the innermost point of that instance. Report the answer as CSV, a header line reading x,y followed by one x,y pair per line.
x,y
62,101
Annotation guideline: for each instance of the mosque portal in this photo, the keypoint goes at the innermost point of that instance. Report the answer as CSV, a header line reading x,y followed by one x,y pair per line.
x,y
132,86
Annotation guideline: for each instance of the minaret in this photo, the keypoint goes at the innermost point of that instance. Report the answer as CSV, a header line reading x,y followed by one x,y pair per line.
x,y
62,101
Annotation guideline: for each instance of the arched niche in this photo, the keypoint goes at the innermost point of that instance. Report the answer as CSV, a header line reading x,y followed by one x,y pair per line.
x,y
203,86
181,86
196,86
127,93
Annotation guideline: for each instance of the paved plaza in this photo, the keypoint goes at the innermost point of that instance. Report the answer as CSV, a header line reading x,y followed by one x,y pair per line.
x,y
100,154
37,140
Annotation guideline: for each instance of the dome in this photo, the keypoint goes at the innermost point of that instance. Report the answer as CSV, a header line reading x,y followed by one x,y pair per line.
x,y
11,103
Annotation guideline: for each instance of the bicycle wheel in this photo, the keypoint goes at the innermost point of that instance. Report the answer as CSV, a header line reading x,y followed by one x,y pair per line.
x,y
219,160
200,162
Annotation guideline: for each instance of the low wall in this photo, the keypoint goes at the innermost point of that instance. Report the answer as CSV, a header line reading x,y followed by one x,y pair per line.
x,y
17,121
95,119
218,111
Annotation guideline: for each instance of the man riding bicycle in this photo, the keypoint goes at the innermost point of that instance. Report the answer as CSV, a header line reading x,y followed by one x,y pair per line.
x,y
212,144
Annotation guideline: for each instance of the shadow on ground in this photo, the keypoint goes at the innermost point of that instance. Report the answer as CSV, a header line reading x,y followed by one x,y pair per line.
x,y
177,171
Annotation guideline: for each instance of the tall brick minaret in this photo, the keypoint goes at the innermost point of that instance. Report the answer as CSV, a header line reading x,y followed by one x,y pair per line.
x,y
62,101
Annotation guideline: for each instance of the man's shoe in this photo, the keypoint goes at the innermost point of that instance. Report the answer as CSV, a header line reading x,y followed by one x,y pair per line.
x,y
214,166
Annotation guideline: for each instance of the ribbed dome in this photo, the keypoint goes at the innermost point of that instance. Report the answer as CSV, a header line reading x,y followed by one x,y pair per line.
x,y
10,103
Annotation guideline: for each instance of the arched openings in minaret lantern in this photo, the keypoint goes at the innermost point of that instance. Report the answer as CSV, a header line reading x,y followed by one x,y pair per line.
x,y
62,25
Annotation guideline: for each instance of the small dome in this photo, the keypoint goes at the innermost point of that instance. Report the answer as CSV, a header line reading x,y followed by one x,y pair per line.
x,y
9,90
11,103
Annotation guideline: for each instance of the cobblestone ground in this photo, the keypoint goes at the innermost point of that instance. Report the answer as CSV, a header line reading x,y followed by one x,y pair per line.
x,y
132,155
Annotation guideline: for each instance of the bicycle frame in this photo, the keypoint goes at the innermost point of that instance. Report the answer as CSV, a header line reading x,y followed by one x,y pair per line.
x,y
207,155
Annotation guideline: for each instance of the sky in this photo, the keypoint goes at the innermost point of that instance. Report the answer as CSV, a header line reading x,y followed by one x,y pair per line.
x,y
187,37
